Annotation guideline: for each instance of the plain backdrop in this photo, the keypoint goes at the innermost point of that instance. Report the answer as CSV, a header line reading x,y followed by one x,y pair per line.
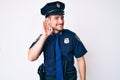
x,y
96,22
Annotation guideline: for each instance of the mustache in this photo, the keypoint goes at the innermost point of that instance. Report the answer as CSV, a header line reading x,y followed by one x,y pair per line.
x,y
60,24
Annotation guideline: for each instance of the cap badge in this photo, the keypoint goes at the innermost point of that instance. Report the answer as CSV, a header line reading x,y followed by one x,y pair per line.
x,y
66,40
58,5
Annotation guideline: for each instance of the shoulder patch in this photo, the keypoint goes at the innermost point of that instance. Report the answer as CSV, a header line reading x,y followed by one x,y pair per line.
x,y
77,38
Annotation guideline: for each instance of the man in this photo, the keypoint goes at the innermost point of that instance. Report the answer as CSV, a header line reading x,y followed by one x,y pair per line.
x,y
59,46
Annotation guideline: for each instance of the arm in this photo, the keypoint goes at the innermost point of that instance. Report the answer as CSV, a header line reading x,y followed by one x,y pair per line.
x,y
34,52
82,67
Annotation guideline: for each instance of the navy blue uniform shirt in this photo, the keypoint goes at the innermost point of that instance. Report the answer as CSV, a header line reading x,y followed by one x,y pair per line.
x,y
70,46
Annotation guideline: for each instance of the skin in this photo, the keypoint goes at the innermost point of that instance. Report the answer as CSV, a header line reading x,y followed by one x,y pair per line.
x,y
53,24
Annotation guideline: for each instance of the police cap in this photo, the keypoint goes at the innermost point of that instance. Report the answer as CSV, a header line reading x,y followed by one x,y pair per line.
x,y
53,8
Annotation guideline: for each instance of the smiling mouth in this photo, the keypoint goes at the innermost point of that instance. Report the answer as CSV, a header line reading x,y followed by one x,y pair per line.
x,y
60,24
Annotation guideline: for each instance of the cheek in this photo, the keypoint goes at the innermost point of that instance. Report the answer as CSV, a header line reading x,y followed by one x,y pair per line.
x,y
54,24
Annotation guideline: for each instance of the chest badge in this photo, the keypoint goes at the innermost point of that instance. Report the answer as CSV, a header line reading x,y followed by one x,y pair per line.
x,y
66,40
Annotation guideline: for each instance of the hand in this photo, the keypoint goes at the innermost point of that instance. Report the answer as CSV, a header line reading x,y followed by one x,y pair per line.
x,y
47,29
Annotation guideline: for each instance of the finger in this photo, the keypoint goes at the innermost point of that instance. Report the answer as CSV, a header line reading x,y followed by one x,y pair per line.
x,y
44,25
47,21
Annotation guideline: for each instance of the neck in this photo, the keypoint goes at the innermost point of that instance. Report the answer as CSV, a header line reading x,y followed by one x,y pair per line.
x,y
55,31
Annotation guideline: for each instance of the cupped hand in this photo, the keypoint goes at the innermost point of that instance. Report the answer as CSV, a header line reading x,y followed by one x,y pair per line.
x,y
47,29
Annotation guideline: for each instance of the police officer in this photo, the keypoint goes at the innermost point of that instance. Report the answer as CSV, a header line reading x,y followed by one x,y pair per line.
x,y
59,46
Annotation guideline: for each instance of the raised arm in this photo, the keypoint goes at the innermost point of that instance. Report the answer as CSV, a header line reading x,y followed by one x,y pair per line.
x,y
34,52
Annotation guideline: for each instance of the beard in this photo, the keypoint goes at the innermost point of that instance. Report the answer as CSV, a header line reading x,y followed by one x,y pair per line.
x,y
58,28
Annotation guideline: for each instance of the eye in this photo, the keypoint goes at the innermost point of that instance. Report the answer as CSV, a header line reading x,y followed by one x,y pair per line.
x,y
62,17
56,17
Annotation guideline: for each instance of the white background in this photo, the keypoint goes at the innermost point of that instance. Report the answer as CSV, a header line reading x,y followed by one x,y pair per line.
x,y
97,23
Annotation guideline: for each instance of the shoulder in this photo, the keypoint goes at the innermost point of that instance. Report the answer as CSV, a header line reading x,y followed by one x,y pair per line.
x,y
71,34
68,32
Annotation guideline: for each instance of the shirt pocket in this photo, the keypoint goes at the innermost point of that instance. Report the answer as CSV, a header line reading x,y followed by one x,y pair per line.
x,y
66,49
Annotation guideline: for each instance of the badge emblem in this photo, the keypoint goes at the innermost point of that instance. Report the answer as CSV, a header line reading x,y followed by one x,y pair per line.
x,y
58,5
66,40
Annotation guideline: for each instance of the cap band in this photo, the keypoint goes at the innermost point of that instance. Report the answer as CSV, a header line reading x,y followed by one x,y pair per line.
x,y
52,12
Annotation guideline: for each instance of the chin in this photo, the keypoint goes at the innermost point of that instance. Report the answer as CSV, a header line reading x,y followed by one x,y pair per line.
x,y
60,29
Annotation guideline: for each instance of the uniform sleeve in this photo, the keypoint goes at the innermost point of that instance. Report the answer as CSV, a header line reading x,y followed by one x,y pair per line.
x,y
35,41
79,48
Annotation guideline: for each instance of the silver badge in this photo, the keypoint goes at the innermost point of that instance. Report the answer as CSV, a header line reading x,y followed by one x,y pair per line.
x,y
66,40
58,5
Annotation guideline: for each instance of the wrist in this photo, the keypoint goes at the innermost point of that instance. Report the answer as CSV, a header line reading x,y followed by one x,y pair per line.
x,y
44,35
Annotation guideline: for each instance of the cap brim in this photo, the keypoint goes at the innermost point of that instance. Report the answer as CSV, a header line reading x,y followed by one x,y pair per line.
x,y
55,12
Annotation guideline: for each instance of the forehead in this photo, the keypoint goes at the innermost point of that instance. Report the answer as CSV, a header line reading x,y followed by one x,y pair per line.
x,y
57,15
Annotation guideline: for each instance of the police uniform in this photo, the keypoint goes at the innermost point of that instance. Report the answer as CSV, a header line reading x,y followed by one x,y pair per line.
x,y
70,46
